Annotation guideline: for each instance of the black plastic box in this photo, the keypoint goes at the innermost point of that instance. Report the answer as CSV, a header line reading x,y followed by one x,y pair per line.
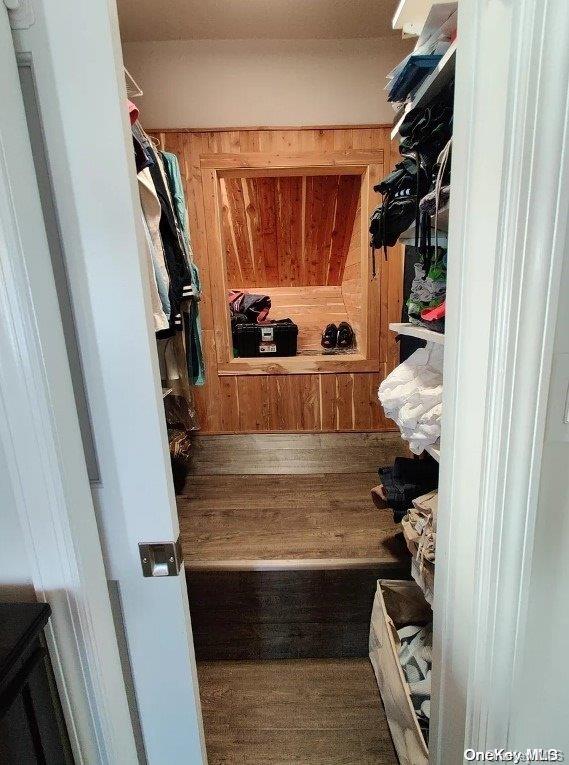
x,y
266,339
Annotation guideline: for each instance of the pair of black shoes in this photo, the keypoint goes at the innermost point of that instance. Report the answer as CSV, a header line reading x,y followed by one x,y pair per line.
x,y
341,336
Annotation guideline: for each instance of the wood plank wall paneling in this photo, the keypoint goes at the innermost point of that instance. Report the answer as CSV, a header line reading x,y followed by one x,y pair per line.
x,y
289,230
311,308
323,402
351,285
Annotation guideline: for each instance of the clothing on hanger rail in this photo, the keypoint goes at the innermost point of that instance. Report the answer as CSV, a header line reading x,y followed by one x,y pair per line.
x,y
175,284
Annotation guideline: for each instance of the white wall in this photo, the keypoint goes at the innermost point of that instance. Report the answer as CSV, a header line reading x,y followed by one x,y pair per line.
x,y
248,83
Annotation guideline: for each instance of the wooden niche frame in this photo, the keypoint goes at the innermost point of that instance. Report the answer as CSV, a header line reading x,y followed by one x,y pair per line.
x,y
369,165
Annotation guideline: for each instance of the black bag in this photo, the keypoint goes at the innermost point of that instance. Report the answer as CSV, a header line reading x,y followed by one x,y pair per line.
x,y
401,191
424,133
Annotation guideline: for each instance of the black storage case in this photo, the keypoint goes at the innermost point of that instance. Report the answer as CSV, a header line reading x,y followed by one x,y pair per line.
x,y
277,338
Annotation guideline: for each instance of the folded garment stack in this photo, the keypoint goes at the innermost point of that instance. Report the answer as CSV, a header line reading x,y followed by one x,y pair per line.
x,y
420,524
403,482
412,396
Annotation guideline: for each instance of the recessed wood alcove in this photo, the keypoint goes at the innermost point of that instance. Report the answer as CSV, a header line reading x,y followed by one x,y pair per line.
x,y
294,227
291,237
335,394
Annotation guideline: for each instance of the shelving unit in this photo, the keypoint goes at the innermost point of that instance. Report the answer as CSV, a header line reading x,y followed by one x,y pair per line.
x,y
422,333
408,236
412,599
431,87
410,15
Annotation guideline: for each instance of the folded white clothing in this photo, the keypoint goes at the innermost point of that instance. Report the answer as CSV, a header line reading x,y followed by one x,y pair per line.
x,y
433,415
412,396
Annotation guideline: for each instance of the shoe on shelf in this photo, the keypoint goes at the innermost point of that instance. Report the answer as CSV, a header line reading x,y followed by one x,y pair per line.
x,y
346,335
329,336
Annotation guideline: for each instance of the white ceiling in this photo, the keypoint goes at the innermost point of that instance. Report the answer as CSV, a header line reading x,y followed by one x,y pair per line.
x,y
246,19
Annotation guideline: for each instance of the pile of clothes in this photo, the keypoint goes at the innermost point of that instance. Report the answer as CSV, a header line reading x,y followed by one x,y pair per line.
x,y
438,32
412,396
426,303
416,659
420,525
416,193
246,307
415,653
420,530
403,482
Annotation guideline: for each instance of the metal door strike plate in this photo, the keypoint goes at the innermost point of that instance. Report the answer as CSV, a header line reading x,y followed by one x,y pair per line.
x,y
161,558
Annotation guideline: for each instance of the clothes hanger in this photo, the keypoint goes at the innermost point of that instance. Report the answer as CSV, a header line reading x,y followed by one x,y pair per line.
x,y
133,89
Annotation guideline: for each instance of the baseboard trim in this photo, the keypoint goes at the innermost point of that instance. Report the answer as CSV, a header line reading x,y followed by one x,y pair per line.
x,y
305,564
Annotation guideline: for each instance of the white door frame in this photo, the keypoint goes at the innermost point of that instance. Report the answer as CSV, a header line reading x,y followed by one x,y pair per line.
x,y
497,357
40,435
507,243
74,51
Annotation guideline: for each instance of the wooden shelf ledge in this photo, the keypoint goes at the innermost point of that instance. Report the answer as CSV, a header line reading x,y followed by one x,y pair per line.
x,y
298,365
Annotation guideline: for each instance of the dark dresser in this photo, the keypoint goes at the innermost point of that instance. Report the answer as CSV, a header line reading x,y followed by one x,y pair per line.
x,y
32,728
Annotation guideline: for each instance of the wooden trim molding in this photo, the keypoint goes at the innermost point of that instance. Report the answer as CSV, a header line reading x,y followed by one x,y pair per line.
x,y
292,564
350,161
305,364
267,128
214,167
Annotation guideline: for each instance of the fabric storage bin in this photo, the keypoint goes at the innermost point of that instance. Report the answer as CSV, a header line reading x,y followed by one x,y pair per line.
x,y
277,338
397,604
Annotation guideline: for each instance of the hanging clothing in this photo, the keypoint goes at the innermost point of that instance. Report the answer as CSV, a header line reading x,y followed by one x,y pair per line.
x,y
189,291
152,211
192,323
160,319
156,279
132,112
174,178
141,157
178,270
176,275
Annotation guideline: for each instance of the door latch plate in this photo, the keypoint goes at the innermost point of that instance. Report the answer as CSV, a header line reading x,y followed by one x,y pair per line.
x,y
161,558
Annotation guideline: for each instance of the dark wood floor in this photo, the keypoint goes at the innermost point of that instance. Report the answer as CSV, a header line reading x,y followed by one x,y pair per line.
x,y
283,549
286,517
308,712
